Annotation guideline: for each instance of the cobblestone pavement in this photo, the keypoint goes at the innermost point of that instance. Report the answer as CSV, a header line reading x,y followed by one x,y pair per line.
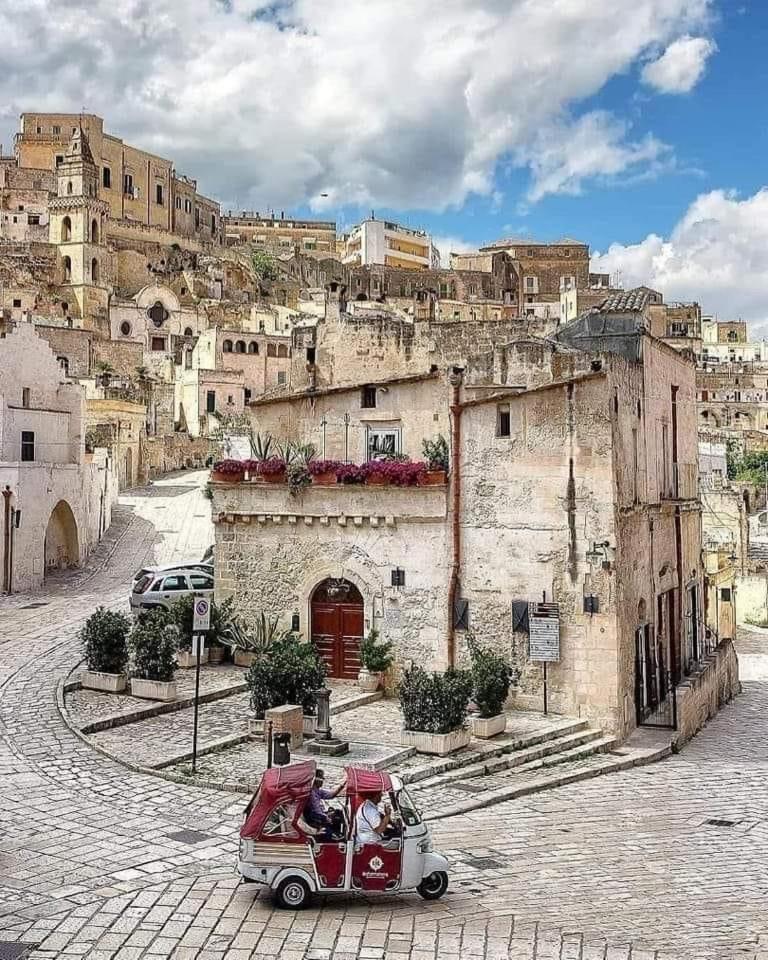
x,y
93,864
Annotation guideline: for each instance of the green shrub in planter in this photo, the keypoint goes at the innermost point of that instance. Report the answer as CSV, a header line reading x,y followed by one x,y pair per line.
x,y
376,656
491,679
436,702
181,614
105,641
290,671
154,642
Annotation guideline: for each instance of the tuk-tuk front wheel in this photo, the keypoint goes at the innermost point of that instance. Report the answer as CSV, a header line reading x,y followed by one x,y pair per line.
x,y
293,894
433,886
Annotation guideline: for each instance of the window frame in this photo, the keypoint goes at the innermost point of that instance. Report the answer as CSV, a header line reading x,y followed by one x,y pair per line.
x,y
27,446
503,411
371,435
368,397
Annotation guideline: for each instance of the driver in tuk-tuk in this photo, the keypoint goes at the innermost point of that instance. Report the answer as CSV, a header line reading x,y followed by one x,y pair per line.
x,y
371,824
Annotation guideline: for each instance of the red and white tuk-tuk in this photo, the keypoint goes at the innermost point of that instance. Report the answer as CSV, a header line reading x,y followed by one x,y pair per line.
x,y
277,852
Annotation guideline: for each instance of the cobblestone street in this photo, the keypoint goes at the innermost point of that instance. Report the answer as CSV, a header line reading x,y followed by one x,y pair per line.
x,y
668,861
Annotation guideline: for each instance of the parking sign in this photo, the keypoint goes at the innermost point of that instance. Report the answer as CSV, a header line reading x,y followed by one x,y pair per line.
x,y
202,615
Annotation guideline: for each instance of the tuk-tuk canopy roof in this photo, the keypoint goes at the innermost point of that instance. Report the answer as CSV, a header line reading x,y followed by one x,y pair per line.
x,y
287,783
367,781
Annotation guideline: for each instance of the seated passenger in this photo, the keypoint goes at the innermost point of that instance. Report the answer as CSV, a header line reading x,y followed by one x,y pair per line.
x,y
370,822
315,813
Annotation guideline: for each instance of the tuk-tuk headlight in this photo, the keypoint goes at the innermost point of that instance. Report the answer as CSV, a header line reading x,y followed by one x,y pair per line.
x,y
426,845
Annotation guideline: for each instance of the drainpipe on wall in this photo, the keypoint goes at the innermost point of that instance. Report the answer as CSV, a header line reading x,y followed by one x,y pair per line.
x,y
7,534
456,378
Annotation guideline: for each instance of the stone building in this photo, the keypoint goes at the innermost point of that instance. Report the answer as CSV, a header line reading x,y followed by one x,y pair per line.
x,y
57,500
280,235
389,244
573,480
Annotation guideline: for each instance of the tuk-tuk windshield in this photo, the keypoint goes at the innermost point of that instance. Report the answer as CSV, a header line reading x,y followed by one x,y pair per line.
x,y
408,811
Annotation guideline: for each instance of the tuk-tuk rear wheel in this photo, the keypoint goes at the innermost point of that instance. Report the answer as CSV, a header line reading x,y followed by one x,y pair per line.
x,y
433,886
293,894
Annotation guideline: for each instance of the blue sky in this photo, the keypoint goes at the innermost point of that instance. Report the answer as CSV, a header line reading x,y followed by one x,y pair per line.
x,y
637,126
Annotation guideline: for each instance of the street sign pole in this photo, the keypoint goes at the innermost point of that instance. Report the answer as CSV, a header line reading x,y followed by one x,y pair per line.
x,y
201,624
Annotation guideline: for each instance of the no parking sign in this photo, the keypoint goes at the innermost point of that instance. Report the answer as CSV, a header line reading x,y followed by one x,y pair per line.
x,y
202,615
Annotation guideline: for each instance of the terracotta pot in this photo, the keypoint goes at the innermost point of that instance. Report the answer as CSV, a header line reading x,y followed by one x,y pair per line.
x,y
216,653
243,658
376,480
325,479
274,478
432,478
226,477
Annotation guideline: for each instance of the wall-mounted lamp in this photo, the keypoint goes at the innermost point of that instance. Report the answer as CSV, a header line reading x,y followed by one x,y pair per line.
x,y
591,604
598,553
17,518
295,621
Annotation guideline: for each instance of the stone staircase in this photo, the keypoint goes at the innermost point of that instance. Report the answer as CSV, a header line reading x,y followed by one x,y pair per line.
x,y
566,755
758,550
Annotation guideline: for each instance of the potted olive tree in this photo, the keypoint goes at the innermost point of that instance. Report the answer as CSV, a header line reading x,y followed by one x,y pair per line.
x,y
105,641
491,679
436,455
154,642
375,658
434,710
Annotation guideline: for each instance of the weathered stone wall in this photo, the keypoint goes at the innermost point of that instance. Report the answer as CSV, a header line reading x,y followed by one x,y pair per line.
x,y
175,451
123,355
273,549
714,684
72,344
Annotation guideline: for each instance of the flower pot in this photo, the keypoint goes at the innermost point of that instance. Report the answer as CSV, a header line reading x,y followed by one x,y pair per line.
x,y
325,479
186,659
368,681
243,658
485,727
437,744
376,480
226,477
216,653
153,689
432,478
274,477
97,680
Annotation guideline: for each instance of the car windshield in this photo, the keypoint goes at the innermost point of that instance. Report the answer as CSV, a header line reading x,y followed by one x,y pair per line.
x,y
408,811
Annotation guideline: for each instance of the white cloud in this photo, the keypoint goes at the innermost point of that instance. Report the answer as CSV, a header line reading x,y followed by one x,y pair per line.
x,y
376,102
717,254
562,156
681,66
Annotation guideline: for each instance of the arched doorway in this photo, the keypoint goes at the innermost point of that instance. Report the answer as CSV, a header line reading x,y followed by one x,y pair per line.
x,y
337,626
62,547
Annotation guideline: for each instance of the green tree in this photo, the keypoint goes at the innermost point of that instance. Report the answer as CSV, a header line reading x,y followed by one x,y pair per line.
x,y
263,265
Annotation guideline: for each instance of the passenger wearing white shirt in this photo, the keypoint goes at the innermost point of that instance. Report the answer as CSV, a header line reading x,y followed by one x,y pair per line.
x,y
370,823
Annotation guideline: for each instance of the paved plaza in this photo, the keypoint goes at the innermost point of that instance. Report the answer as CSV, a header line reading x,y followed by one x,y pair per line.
x,y
665,861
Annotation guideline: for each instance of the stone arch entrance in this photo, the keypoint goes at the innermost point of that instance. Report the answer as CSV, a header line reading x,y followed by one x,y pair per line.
x,y
336,627
62,544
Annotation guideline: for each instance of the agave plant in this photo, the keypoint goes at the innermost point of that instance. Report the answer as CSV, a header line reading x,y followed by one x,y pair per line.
x,y
293,452
257,636
261,446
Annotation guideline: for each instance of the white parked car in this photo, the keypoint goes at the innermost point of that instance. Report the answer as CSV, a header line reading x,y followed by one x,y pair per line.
x,y
162,586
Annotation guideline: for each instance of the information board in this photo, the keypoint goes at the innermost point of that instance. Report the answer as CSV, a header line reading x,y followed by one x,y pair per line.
x,y
544,631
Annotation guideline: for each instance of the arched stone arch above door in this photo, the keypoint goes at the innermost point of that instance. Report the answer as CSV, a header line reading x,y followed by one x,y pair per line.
x,y
62,541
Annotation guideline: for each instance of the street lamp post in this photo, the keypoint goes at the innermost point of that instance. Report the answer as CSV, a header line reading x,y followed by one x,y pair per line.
x,y
346,437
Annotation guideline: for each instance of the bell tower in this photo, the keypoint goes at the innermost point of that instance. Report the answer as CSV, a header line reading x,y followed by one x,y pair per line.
x,y
77,226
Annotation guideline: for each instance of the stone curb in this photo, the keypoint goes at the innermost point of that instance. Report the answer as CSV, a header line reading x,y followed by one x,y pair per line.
x,y
549,783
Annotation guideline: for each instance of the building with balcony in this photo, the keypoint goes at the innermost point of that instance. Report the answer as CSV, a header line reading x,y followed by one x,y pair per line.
x,y
56,498
390,244
280,236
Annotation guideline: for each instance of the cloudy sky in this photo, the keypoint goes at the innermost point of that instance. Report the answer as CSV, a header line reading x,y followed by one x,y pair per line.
x,y
638,126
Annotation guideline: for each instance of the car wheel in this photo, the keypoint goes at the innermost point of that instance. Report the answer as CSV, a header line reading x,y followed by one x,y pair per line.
x,y
293,894
433,886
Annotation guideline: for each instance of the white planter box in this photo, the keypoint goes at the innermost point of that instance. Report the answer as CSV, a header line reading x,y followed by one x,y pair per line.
x,y
484,727
186,659
153,689
438,744
243,658
368,682
109,682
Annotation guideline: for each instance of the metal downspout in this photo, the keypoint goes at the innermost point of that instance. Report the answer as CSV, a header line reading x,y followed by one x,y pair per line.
x,y
456,378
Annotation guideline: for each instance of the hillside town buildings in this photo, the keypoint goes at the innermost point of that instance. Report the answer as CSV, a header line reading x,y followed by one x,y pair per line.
x,y
389,244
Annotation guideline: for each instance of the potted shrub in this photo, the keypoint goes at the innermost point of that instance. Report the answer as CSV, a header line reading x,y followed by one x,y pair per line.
x,y
376,658
435,710
323,472
181,613
154,642
105,641
228,471
436,455
289,671
491,680
272,470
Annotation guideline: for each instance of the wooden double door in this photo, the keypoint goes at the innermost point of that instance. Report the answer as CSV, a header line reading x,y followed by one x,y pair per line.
x,y
337,627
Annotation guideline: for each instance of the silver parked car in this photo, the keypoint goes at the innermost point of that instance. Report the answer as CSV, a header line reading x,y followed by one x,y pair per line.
x,y
161,586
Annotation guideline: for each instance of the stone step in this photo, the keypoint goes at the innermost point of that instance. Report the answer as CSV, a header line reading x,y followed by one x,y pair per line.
x,y
518,758
481,751
536,777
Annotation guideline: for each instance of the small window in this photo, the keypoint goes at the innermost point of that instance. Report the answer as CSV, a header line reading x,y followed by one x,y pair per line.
x,y
280,822
311,354
253,347
368,398
271,350
281,377
227,346
25,397
210,401
159,194
725,594
240,346
176,582
27,446
17,302
106,178
503,420
282,351
127,184
178,203
247,395
64,364
55,129
188,332
59,159
383,443
158,344
230,400
125,328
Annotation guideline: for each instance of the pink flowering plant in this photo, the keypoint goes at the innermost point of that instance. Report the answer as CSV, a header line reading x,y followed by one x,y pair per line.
x,y
271,467
396,472
229,467
318,467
